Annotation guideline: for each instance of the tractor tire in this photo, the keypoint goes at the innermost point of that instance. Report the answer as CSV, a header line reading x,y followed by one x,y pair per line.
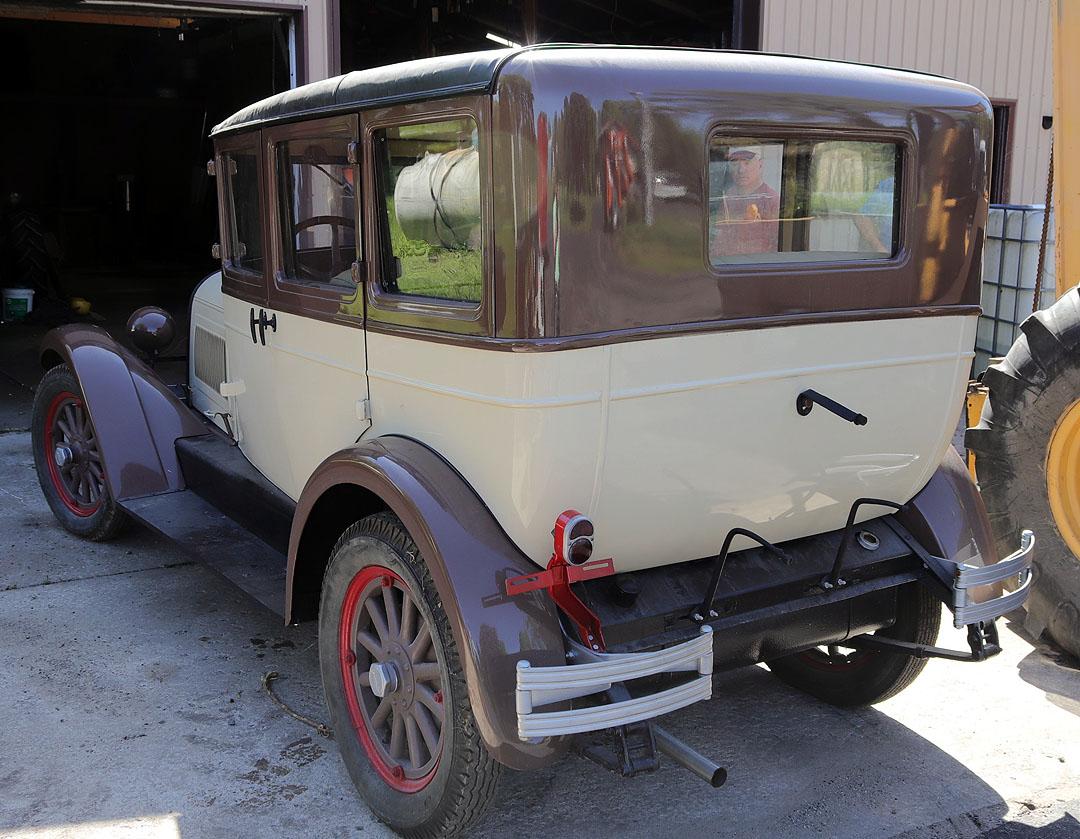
x,y
29,256
1027,459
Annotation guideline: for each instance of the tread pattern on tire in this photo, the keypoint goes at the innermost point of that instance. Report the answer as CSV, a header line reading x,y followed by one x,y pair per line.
x,y
476,778
27,245
1030,389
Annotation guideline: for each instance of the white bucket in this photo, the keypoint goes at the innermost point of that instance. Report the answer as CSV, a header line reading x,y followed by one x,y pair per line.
x,y
18,302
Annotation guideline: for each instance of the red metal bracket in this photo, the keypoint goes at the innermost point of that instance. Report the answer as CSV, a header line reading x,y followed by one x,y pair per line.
x,y
556,581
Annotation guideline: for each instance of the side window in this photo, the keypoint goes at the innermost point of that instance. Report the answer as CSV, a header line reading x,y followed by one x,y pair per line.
x,y
428,183
802,201
317,191
243,240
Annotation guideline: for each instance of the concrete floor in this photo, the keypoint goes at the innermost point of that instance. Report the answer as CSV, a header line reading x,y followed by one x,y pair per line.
x,y
131,707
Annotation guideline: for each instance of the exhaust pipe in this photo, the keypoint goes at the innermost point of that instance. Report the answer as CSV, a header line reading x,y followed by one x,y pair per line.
x,y
693,760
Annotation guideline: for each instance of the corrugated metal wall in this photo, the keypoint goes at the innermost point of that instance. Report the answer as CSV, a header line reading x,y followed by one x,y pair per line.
x,y
1001,47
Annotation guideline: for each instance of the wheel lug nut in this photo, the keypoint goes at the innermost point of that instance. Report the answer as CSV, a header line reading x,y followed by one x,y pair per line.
x,y
438,697
350,658
398,772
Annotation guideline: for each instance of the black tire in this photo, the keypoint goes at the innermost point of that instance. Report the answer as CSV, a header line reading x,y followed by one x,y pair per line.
x,y
29,255
100,517
462,783
865,677
1030,390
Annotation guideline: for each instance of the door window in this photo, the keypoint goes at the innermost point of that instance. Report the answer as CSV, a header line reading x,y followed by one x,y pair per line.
x,y
428,184
243,239
317,191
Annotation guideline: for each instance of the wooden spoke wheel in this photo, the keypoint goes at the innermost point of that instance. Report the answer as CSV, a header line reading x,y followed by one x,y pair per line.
x,y
395,686
393,681
69,460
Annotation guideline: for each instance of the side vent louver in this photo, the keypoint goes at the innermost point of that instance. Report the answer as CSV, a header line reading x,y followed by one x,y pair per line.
x,y
209,349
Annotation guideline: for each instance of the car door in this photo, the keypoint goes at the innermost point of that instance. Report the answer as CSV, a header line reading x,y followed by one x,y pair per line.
x,y
315,335
250,380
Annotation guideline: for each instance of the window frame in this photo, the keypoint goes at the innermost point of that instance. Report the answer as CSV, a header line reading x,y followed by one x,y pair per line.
x,y
402,312
771,133
242,283
289,294
1001,165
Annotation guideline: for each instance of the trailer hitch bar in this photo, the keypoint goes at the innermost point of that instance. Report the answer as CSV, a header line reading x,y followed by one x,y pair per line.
x,y
982,639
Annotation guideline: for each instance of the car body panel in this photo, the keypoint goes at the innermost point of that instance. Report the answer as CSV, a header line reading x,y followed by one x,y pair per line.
x,y
669,443
469,558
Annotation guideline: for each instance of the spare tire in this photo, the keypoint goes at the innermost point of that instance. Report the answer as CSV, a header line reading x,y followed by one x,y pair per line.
x,y
1027,459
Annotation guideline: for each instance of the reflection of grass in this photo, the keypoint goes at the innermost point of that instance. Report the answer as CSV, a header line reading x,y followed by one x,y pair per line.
x,y
430,271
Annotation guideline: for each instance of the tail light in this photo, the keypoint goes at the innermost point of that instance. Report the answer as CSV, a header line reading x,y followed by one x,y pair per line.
x,y
573,537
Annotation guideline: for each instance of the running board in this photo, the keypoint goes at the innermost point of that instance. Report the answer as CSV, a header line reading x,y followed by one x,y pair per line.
x,y
216,540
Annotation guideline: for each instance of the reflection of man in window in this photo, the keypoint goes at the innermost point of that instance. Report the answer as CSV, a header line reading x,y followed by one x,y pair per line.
x,y
746,222
875,219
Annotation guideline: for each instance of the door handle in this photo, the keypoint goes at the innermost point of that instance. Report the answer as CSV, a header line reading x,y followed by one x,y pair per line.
x,y
254,340
264,322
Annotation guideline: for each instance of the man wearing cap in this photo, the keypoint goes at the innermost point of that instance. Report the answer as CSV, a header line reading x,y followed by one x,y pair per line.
x,y
747,222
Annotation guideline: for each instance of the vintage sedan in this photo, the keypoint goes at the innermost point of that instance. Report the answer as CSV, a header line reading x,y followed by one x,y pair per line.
x,y
550,381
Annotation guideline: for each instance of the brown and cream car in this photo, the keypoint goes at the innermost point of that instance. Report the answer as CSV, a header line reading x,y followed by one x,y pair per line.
x,y
705,318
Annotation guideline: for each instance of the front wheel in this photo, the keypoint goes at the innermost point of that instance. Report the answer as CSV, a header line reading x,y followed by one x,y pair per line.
x,y
68,459
853,678
394,686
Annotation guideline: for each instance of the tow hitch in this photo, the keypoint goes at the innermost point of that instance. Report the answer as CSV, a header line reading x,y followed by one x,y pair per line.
x,y
636,746
982,637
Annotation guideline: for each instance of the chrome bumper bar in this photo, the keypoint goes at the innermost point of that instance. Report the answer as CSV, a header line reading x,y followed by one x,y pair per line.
x,y
1015,567
538,686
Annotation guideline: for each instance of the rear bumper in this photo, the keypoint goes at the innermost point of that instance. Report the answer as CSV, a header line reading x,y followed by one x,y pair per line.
x,y
969,607
539,686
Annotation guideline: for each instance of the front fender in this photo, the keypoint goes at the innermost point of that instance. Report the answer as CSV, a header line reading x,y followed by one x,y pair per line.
x,y
469,557
136,417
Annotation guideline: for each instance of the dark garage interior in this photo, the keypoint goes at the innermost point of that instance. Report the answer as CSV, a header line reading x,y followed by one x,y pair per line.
x,y
108,106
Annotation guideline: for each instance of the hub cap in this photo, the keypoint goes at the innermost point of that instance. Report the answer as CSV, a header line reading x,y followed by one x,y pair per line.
x,y
1063,477
393,679
71,450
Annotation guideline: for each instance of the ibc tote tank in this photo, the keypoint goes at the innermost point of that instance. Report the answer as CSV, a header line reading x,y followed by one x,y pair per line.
x,y
437,199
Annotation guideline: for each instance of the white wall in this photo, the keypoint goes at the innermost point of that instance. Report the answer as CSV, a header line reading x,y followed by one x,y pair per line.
x,y
1002,47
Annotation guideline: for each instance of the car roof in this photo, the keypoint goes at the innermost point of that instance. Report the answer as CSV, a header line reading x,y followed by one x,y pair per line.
x,y
431,78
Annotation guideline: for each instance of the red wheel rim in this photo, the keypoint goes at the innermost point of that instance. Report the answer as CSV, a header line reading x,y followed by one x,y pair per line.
x,y
73,456
382,629
831,660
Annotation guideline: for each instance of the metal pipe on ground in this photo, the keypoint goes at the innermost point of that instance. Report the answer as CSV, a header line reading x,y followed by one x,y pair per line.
x,y
693,760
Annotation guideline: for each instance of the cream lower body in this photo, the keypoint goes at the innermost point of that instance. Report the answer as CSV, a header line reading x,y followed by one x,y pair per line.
x,y
669,443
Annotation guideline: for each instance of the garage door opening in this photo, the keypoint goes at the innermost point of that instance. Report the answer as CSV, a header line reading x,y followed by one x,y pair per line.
x,y
105,144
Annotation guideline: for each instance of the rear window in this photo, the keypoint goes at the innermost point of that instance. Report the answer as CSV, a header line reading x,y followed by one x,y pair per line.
x,y
243,241
797,200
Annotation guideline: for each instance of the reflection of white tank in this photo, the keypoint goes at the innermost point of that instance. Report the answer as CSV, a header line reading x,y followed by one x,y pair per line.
x,y
437,199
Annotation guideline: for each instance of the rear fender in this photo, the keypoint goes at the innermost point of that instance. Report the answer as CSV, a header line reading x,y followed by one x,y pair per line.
x,y
469,557
136,417
948,518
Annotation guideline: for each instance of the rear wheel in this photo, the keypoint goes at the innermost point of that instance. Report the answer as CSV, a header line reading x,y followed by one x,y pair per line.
x,y
68,459
395,688
1027,457
852,678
